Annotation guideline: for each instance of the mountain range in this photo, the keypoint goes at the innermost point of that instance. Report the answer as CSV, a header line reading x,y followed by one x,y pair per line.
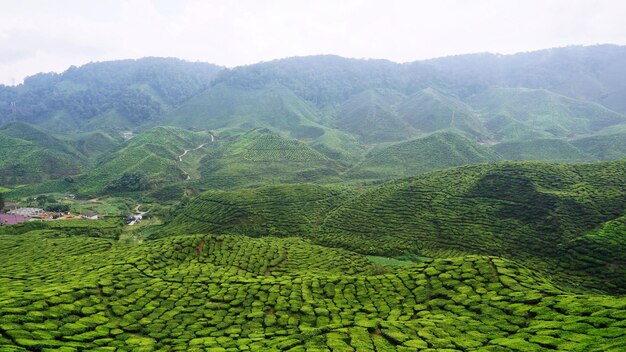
x,y
360,120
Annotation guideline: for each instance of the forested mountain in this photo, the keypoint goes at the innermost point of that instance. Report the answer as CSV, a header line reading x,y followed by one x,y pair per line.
x,y
123,94
555,105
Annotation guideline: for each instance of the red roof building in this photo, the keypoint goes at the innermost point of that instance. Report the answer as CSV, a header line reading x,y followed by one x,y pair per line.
x,y
10,219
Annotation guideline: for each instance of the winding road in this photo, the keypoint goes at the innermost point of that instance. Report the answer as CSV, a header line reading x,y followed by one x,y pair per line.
x,y
180,157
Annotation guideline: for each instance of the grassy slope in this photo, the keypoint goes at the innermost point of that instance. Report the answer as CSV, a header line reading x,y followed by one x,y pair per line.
x,y
437,151
260,157
519,113
525,210
275,294
94,144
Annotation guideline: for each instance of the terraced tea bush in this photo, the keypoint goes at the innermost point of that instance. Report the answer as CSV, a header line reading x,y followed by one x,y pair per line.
x,y
540,214
272,210
225,292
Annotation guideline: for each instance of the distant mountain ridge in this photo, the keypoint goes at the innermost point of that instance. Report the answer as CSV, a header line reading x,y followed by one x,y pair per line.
x,y
560,104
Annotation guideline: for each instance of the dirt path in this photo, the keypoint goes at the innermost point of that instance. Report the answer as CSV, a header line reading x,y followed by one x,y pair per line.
x,y
180,157
139,212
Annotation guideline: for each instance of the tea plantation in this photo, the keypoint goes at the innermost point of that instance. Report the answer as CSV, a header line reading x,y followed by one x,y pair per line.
x,y
237,293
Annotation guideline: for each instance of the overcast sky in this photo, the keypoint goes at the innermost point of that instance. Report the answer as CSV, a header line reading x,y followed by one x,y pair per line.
x,y
42,36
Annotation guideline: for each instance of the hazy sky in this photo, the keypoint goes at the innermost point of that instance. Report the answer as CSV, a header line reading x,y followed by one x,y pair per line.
x,y
46,35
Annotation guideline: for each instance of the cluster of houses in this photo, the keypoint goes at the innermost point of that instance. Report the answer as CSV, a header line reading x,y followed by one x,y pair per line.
x,y
24,214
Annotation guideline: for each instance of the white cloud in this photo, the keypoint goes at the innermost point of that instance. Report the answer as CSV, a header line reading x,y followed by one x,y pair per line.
x,y
50,36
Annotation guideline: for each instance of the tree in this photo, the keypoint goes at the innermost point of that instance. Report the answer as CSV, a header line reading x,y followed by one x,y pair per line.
x,y
1,201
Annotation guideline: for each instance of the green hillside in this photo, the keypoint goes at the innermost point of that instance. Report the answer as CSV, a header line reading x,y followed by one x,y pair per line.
x,y
119,95
529,211
38,158
149,160
40,138
547,149
603,146
225,108
520,113
261,157
371,116
284,210
436,151
94,144
429,110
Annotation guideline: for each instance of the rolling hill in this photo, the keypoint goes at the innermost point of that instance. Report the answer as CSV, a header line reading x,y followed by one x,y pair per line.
x,y
548,149
437,151
260,157
372,117
30,155
429,110
531,212
148,160
516,113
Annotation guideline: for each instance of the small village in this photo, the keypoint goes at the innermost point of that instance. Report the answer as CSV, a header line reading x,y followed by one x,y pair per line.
x,y
15,213
24,214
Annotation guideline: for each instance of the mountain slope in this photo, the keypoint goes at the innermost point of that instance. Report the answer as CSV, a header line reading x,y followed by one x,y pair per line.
x,y
260,157
117,94
429,110
372,117
151,158
603,146
542,149
511,114
24,162
225,108
437,151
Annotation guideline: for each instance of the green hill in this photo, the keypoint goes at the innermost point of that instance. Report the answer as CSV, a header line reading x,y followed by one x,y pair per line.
x,y
270,210
603,146
146,161
542,149
29,155
94,144
225,108
429,110
436,151
520,113
23,162
526,211
372,117
117,94
529,211
40,138
261,157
